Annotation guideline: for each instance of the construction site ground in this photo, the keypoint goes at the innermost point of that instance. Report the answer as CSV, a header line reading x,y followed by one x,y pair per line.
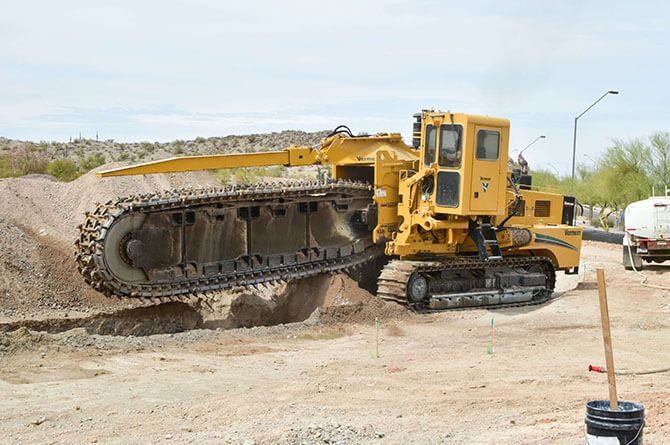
x,y
76,367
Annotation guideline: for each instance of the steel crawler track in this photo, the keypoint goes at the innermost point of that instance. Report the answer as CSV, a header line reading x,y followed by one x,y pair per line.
x,y
247,271
394,279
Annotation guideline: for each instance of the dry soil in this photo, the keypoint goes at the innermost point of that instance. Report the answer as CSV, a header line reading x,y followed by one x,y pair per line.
x,y
319,381
76,367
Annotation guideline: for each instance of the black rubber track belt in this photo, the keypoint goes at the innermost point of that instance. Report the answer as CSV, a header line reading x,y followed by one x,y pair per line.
x,y
392,283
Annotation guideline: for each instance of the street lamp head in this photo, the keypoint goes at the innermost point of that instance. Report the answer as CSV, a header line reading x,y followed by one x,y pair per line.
x,y
612,92
528,146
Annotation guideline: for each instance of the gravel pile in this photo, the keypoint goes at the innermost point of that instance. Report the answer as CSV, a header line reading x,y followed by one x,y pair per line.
x,y
332,434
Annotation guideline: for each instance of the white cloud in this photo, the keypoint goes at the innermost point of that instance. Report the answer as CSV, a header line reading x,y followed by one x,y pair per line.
x,y
176,69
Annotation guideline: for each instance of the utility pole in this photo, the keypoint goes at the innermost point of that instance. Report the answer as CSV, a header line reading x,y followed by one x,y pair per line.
x,y
574,135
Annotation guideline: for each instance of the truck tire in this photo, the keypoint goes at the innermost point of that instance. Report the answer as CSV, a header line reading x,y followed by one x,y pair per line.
x,y
637,261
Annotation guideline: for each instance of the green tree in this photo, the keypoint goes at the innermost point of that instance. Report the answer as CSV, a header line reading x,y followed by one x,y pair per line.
x,y
621,177
626,168
660,159
545,180
586,188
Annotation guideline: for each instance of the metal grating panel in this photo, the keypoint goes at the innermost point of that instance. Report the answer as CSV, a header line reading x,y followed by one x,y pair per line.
x,y
542,209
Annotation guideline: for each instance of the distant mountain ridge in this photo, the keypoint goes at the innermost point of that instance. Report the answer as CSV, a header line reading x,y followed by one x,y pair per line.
x,y
79,149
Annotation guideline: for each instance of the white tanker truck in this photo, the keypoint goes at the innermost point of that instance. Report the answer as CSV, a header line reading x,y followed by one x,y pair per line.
x,y
647,232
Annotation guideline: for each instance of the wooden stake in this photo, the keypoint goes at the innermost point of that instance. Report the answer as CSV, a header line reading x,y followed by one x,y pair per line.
x,y
378,324
607,338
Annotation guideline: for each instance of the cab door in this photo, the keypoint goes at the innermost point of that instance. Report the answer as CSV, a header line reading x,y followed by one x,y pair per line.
x,y
485,185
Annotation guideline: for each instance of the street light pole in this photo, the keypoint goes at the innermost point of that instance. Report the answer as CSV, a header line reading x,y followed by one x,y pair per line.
x,y
574,135
521,160
534,141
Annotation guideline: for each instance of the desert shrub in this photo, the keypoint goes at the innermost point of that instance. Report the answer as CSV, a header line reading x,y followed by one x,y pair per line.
x,y
6,170
67,170
224,176
250,175
64,169
244,176
30,160
178,149
92,161
23,161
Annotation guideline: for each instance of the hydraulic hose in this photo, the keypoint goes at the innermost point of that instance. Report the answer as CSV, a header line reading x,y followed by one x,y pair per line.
x,y
341,129
602,370
516,205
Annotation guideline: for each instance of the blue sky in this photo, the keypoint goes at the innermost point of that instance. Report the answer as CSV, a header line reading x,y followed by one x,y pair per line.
x,y
151,70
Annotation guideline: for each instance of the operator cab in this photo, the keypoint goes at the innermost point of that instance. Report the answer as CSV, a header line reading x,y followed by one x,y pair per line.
x,y
464,159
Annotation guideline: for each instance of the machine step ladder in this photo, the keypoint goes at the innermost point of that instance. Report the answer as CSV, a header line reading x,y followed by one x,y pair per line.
x,y
484,236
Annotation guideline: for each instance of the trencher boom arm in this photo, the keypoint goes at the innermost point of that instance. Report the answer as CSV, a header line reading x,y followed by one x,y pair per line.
x,y
350,157
291,156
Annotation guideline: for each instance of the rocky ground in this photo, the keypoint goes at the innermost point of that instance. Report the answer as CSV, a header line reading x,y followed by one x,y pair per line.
x,y
320,382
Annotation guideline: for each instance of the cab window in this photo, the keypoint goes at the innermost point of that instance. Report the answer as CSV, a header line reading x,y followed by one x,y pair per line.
x,y
450,146
429,146
488,145
448,188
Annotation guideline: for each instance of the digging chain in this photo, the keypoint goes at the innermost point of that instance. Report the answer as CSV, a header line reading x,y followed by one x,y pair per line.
x,y
89,246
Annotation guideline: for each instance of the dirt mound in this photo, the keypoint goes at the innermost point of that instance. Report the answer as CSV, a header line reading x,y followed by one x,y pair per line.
x,y
362,312
324,299
41,289
37,275
53,209
345,302
333,433
38,226
22,339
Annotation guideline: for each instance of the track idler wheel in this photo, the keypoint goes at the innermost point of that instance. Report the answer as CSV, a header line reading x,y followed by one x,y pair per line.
x,y
417,288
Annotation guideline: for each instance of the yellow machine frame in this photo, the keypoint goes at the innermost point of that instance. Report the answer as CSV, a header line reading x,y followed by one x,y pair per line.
x,y
411,220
